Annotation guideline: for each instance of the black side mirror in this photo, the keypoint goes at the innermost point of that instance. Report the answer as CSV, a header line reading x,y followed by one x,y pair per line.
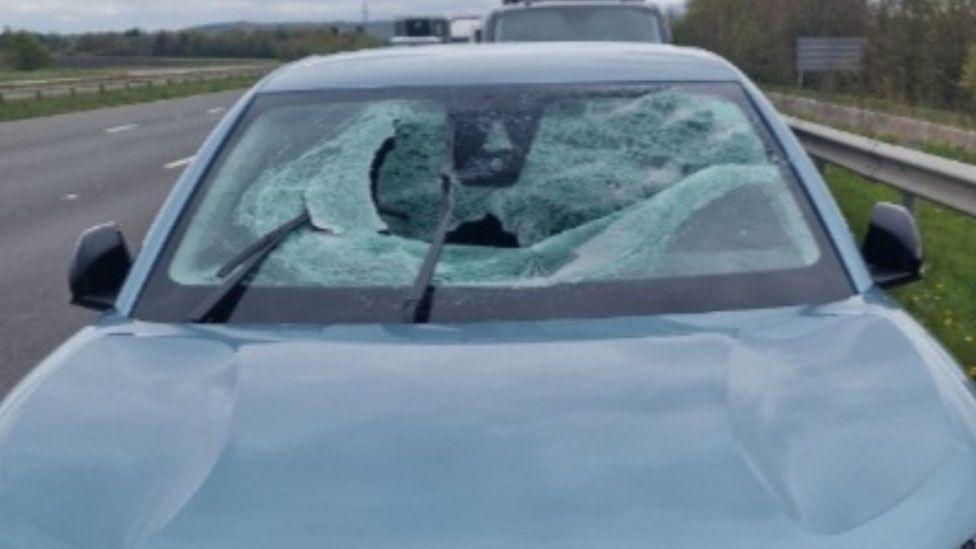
x,y
893,246
100,265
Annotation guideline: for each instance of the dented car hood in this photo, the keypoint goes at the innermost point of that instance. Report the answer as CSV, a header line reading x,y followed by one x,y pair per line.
x,y
833,426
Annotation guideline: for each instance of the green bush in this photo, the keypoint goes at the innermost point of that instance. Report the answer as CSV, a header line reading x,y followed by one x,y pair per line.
x,y
25,52
968,80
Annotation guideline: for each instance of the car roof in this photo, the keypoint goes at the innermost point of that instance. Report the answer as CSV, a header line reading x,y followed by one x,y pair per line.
x,y
421,18
577,4
505,63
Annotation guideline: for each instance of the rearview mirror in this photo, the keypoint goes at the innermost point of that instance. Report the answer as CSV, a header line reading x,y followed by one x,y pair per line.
x,y
893,247
100,265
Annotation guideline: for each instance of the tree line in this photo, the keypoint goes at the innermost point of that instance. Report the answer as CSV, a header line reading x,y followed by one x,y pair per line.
x,y
23,51
29,51
922,52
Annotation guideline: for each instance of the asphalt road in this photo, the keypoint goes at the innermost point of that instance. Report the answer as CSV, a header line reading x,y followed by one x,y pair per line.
x,y
63,174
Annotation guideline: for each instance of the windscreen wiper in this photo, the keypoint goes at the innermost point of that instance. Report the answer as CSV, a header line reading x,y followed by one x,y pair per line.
x,y
416,308
243,264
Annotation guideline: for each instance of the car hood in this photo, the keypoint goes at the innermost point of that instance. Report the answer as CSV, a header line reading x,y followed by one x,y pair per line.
x,y
832,426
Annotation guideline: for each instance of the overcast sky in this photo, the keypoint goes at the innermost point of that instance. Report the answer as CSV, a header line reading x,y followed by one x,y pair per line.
x,y
91,15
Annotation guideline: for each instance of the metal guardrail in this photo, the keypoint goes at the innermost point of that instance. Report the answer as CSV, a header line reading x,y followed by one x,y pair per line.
x,y
21,90
915,173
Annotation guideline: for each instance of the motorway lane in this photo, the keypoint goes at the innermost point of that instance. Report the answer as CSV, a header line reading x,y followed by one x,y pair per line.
x,y
63,174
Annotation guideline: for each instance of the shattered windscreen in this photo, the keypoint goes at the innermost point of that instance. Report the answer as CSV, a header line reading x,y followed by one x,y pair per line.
x,y
553,187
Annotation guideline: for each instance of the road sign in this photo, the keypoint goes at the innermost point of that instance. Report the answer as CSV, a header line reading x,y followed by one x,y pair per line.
x,y
829,54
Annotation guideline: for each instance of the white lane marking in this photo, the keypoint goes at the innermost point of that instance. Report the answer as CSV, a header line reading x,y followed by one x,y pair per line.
x,y
119,129
179,163
216,110
69,197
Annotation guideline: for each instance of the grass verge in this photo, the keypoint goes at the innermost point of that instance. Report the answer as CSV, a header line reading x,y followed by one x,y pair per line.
x,y
118,69
945,300
29,108
962,120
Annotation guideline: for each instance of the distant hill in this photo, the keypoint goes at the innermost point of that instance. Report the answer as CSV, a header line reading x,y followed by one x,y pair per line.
x,y
382,30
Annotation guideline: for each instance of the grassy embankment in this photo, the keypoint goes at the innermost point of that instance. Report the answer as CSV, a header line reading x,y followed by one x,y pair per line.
x,y
963,120
31,108
21,108
122,68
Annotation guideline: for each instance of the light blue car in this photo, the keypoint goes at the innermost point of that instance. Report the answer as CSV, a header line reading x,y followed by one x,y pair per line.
x,y
549,296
